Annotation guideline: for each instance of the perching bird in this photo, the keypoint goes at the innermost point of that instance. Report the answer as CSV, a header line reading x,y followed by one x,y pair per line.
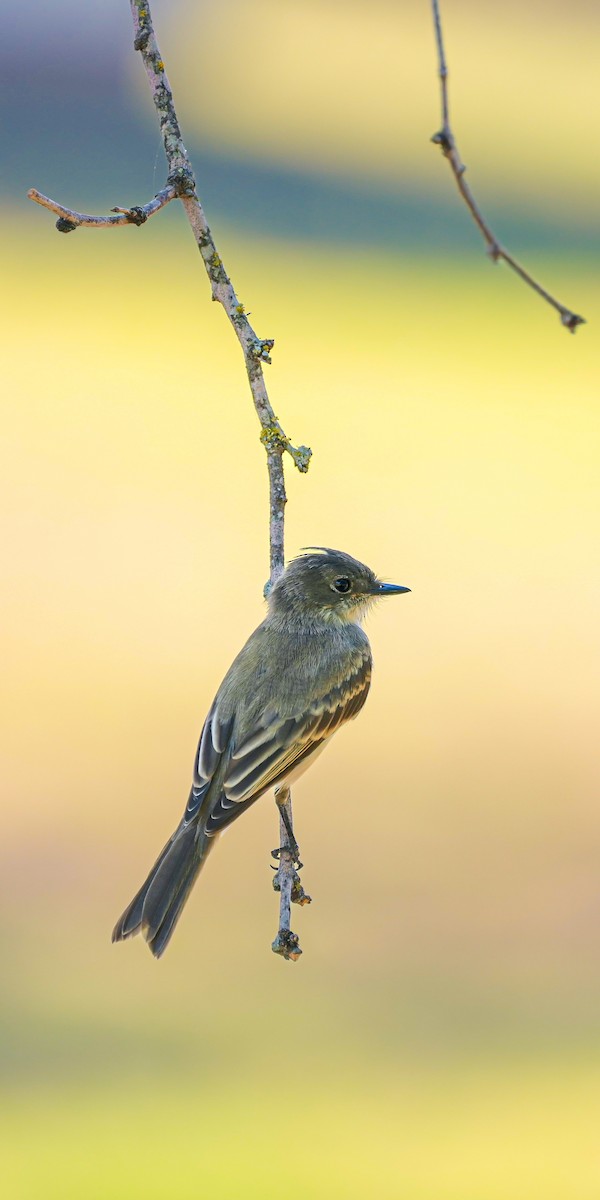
x,y
303,673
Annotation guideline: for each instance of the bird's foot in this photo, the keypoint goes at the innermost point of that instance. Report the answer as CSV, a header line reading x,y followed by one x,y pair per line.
x,y
294,852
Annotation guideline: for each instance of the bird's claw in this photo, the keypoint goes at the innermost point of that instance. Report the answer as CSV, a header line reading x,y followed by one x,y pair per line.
x,y
293,851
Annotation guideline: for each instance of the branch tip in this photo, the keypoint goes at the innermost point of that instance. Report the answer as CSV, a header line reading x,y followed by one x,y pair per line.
x,y
301,456
571,321
287,944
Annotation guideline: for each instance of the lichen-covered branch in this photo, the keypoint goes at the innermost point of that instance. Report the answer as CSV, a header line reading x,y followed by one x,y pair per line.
x,y
446,140
181,185
256,350
287,880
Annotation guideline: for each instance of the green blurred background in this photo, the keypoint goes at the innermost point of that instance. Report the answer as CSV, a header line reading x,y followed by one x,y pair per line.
x,y
440,1037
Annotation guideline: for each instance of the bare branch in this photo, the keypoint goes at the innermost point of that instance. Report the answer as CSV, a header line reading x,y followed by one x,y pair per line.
x,y
68,219
445,139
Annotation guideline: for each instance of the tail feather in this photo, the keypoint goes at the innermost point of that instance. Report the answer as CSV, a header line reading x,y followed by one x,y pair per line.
x,y
156,908
130,922
170,888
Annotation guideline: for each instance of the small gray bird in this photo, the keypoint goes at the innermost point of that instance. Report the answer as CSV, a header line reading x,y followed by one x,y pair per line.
x,y
303,673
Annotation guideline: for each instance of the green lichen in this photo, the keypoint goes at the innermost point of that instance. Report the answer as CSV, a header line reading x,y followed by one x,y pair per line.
x,y
301,456
273,438
261,349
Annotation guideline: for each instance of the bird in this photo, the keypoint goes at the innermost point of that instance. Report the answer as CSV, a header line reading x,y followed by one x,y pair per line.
x,y
302,674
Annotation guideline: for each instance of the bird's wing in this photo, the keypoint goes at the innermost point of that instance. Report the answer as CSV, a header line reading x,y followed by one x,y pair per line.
x,y
278,744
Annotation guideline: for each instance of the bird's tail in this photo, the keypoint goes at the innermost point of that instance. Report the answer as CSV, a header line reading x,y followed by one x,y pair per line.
x,y
157,906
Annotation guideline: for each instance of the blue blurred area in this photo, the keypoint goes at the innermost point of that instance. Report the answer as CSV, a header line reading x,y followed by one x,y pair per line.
x,y
78,133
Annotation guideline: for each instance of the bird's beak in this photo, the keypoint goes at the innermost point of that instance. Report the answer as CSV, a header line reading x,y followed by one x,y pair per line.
x,y
390,589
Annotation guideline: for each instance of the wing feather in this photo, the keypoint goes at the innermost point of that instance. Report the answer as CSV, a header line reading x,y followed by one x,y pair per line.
x,y
269,753
266,757
214,739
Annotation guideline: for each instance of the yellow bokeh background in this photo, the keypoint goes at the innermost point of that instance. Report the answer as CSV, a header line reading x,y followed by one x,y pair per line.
x,y
439,1038
353,88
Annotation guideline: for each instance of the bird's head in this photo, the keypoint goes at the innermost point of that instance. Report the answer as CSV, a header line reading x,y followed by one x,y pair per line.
x,y
328,585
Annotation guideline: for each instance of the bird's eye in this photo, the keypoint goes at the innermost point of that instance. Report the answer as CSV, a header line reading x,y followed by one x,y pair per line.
x,y
342,584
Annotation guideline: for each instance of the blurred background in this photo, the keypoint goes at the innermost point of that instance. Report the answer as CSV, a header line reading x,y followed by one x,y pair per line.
x,y
440,1037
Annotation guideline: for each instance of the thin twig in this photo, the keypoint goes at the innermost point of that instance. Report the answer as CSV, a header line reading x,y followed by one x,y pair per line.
x,y
256,350
68,219
445,139
181,184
